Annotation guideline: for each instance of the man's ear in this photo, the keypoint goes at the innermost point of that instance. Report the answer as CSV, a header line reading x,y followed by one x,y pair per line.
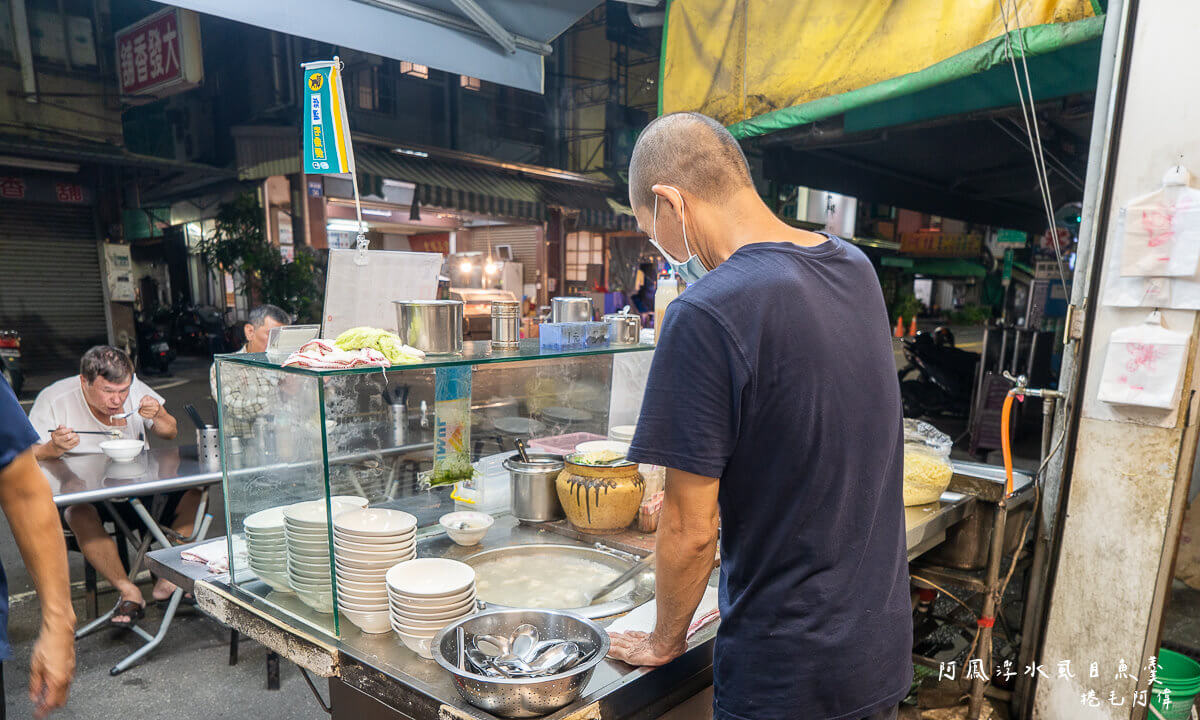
x,y
248,331
668,195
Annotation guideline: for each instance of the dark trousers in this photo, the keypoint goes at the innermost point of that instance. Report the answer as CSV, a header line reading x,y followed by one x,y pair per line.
x,y
889,714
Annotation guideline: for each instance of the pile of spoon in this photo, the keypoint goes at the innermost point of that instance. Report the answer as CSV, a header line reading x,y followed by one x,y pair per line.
x,y
522,655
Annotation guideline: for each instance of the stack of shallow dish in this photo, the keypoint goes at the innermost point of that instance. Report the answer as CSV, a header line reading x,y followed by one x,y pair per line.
x,y
267,547
427,594
366,544
306,534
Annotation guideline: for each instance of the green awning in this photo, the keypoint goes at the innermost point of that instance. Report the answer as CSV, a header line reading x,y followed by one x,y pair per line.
x,y
947,267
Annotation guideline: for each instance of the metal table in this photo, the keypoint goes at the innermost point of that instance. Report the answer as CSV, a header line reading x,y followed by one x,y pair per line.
x,y
91,478
376,674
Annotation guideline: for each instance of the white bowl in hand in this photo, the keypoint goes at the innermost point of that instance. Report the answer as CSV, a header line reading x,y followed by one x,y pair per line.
x,y
123,450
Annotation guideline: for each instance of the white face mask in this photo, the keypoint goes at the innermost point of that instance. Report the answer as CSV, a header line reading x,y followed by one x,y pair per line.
x,y
691,269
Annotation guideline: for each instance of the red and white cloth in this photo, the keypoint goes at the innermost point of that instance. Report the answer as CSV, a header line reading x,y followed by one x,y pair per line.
x,y
322,355
643,617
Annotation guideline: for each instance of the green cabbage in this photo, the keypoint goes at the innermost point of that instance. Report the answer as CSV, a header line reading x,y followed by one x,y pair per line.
x,y
385,342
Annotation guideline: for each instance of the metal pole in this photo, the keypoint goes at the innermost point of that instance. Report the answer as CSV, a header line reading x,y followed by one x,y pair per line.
x,y
446,20
990,600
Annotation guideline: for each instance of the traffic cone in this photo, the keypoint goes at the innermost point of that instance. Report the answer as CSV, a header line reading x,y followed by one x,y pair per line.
x,y
912,329
899,327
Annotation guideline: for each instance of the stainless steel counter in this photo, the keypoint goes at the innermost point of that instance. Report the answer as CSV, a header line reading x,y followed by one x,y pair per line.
x,y
366,669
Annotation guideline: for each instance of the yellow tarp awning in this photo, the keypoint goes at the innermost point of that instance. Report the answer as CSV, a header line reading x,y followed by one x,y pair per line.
x,y
737,60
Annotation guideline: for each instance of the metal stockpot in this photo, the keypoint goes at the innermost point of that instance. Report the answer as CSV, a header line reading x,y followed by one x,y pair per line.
x,y
534,493
570,309
433,326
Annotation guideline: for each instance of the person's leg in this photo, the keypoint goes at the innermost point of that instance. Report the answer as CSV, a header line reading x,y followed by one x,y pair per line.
x,y
183,522
100,550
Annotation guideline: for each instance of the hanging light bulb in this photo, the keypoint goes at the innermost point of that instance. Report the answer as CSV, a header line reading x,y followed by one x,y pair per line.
x,y
466,266
491,268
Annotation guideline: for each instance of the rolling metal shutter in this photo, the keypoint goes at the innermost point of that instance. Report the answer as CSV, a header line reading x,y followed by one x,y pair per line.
x,y
50,279
525,240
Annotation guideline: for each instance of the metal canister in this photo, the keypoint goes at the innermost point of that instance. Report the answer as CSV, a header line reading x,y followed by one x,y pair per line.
x,y
570,309
534,493
208,447
432,326
623,328
506,324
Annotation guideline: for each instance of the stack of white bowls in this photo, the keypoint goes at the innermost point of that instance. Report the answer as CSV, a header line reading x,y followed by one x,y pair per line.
x,y
267,547
426,595
366,544
306,532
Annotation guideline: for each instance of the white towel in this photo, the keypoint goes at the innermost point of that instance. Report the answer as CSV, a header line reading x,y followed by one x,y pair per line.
x,y
643,617
215,554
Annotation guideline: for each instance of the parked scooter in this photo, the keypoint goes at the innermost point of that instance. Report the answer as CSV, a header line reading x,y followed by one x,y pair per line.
x,y
945,375
154,353
10,359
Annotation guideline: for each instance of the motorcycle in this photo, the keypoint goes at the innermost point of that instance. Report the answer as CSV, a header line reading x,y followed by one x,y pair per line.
x,y
10,359
198,330
945,375
154,351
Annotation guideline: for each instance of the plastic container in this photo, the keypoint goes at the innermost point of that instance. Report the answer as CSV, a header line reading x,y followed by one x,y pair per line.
x,y
666,291
927,469
562,444
1180,675
572,335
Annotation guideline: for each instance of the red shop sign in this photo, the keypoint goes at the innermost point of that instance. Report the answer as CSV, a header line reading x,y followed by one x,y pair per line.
x,y
160,54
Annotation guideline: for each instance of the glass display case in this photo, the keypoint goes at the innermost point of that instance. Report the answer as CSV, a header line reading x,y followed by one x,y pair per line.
x,y
425,438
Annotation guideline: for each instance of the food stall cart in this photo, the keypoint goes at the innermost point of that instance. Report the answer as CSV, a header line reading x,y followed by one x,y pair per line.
x,y
334,436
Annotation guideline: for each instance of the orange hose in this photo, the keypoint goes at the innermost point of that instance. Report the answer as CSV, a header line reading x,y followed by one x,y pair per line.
x,y
1006,444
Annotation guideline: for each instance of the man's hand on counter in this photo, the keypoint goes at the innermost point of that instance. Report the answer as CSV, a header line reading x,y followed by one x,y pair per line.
x,y
642,649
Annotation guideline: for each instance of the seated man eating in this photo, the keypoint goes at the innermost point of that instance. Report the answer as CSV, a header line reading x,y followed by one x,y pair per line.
x,y
106,397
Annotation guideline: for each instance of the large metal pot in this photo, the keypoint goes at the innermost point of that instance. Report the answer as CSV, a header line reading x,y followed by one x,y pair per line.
x,y
534,494
433,326
570,309
523,697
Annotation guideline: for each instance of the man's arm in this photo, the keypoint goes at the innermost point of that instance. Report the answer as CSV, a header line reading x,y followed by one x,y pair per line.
x,y
62,440
163,424
685,546
28,504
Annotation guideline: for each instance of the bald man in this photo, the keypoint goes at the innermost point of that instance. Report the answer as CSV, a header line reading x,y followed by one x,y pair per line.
x,y
772,400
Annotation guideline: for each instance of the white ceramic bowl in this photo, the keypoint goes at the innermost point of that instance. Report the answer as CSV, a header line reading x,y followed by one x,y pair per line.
x,y
311,586
603,446
316,601
269,520
374,577
255,541
276,583
409,601
420,627
357,501
268,560
397,555
310,573
345,545
435,614
477,525
431,577
361,597
384,540
376,564
375,522
265,534
312,514
366,605
122,451
419,645
622,433
373,623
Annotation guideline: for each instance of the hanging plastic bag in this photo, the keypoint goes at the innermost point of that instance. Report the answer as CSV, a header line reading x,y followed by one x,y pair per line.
x,y
1162,230
452,426
1133,291
1144,365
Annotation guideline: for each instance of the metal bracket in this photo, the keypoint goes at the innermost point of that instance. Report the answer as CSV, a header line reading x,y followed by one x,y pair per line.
x,y
480,17
1074,321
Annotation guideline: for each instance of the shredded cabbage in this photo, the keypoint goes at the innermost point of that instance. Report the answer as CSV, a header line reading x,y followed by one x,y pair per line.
x,y
384,341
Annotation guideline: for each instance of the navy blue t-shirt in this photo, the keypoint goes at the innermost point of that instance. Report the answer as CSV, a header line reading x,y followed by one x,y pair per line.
x,y
16,436
775,374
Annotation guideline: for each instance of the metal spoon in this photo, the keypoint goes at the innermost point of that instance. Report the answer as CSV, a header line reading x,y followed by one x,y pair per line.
x,y
556,659
490,646
122,416
482,662
512,667
523,642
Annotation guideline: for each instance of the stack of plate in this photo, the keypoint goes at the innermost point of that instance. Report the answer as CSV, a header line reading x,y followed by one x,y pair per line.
x,y
427,594
306,534
267,548
366,544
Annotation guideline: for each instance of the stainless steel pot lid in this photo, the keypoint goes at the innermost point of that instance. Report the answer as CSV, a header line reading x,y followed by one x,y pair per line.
x,y
538,462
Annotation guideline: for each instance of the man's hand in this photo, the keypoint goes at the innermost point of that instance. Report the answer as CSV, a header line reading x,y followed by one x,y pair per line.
x,y
642,649
62,439
149,408
51,669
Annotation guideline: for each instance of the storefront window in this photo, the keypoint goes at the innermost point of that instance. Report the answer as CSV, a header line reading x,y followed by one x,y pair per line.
x,y
583,249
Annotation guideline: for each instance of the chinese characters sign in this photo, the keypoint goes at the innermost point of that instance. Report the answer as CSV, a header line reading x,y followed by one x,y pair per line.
x,y
327,147
160,54
43,189
939,244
